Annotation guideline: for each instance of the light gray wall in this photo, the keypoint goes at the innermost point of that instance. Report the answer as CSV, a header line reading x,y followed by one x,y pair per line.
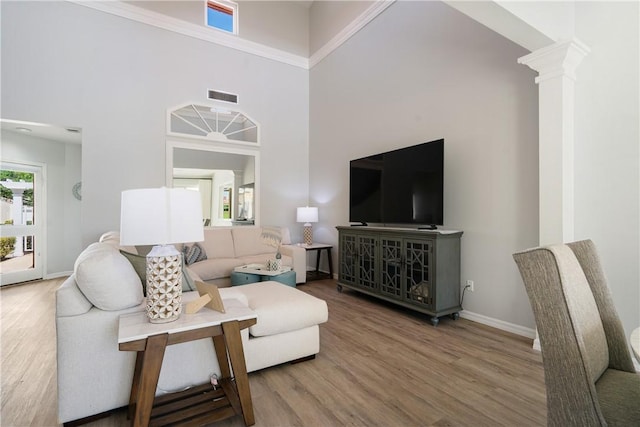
x,y
63,210
607,147
115,79
422,71
280,24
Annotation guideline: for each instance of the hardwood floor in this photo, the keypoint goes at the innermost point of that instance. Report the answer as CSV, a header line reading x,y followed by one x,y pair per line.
x,y
379,365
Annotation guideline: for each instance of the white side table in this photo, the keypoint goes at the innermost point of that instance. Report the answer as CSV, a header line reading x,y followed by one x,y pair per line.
x,y
149,340
319,247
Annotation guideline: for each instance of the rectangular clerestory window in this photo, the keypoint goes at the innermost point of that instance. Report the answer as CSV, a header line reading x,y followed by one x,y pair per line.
x,y
222,15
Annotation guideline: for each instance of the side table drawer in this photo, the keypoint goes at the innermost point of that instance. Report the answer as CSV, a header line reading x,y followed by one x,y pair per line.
x,y
238,279
287,278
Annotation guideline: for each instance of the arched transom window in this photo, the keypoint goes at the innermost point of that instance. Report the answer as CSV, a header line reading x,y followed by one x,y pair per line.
x,y
215,123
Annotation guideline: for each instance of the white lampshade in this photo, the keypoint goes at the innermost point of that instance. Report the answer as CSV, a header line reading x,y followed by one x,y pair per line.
x,y
160,216
307,215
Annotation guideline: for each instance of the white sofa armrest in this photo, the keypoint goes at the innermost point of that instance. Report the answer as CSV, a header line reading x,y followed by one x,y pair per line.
x,y
299,257
70,301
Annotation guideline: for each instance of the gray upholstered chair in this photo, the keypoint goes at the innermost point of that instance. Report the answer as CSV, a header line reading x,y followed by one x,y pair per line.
x,y
589,375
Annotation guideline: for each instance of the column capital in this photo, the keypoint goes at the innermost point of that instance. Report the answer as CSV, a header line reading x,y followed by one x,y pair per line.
x,y
557,60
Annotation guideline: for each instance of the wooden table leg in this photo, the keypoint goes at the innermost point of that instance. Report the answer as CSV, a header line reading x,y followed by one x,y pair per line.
x,y
330,263
318,253
149,372
135,385
236,356
221,353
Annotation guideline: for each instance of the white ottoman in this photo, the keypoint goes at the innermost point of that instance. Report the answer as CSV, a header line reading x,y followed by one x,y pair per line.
x,y
281,308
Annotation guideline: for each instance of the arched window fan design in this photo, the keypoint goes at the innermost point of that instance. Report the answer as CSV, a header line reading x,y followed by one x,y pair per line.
x,y
213,123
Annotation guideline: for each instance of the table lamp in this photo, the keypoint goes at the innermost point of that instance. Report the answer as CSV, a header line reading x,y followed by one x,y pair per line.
x,y
162,217
307,215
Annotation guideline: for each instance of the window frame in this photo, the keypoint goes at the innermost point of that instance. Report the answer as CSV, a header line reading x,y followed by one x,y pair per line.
x,y
222,6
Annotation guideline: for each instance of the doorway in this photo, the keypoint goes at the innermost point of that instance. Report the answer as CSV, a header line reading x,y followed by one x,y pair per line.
x,y
22,219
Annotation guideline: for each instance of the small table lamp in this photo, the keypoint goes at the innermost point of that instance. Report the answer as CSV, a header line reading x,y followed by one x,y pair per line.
x,y
307,215
161,217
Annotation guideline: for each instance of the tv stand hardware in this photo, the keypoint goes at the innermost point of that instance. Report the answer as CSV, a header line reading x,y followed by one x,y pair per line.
x,y
430,227
416,269
362,224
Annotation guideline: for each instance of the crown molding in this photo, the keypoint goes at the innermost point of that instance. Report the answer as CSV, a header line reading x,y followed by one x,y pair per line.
x,y
347,32
165,22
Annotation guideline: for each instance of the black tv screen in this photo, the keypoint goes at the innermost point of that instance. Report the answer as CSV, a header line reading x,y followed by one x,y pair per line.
x,y
403,186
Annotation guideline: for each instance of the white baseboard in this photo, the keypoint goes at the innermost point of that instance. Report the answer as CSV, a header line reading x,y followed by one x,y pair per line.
x,y
498,324
58,275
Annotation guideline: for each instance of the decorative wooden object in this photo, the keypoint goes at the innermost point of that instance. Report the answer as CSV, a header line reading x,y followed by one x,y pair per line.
x,y
195,306
209,296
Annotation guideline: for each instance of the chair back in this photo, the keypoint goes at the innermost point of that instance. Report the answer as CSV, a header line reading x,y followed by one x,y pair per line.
x,y
574,345
587,255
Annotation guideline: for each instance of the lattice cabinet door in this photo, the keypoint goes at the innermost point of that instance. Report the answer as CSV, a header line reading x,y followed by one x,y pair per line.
x,y
391,267
367,248
348,253
418,272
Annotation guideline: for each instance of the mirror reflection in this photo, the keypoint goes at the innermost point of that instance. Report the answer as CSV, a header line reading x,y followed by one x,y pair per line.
x,y
226,182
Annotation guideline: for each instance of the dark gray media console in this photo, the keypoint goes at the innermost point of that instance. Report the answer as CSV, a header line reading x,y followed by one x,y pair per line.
x,y
417,269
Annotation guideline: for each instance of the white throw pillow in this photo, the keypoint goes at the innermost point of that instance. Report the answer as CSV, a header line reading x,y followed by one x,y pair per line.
x,y
107,278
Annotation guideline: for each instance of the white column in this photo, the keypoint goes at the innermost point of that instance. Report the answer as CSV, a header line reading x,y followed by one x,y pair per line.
x,y
16,216
556,65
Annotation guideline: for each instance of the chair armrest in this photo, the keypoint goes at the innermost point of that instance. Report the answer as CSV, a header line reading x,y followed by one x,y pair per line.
x,y
299,257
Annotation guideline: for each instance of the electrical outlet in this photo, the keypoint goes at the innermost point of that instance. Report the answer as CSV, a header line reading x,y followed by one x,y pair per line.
x,y
470,285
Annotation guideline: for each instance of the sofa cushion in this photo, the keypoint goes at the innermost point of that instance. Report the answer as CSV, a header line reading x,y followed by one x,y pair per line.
x,y
218,243
107,278
139,264
217,268
113,238
281,308
248,241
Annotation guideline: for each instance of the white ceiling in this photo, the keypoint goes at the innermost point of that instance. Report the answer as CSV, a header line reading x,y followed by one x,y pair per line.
x,y
70,135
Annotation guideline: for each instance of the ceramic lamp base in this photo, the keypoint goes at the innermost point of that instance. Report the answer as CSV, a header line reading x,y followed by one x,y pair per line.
x,y
307,233
164,285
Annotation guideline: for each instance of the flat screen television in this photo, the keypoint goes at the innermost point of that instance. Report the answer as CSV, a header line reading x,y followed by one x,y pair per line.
x,y
403,186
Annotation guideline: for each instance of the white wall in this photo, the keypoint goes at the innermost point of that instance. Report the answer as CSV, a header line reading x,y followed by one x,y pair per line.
x,y
422,71
63,210
555,19
607,146
115,78
280,24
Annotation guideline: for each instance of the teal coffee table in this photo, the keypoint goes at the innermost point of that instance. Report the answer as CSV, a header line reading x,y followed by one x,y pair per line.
x,y
253,273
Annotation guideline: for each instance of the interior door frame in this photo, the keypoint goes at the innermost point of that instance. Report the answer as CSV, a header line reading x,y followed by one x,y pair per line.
x,y
38,229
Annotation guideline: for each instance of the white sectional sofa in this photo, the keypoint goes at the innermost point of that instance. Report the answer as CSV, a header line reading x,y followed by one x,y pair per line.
x,y
94,376
230,247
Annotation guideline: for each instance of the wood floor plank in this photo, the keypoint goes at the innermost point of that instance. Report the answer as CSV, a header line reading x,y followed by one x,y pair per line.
x,y
379,365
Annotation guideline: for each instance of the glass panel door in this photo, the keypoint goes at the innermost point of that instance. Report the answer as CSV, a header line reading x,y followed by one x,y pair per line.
x,y
20,223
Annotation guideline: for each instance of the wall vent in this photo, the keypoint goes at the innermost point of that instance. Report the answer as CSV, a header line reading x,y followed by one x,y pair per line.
x,y
223,96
